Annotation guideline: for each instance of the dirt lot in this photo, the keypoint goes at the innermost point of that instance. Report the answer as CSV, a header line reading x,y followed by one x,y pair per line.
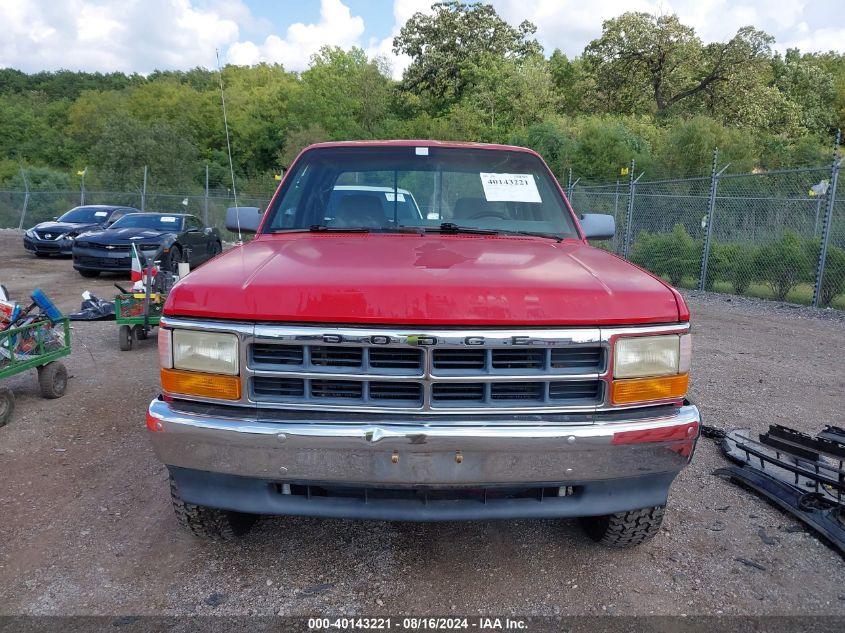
x,y
86,525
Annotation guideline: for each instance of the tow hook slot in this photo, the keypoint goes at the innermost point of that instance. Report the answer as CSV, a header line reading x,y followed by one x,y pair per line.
x,y
459,459
395,457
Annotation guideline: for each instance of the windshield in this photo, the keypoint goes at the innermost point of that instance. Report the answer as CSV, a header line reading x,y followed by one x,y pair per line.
x,y
157,222
384,188
86,215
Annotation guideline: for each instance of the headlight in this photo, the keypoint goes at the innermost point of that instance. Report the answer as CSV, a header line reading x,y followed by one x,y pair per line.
x,y
30,233
640,356
210,352
648,368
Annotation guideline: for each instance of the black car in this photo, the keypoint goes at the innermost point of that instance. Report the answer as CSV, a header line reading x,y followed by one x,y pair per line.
x,y
56,237
168,237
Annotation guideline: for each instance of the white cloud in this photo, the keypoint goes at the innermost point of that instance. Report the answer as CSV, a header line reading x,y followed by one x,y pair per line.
x,y
337,27
124,35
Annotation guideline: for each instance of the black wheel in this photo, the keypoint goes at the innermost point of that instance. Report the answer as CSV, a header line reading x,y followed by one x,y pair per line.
x,y
625,529
7,405
214,249
124,335
210,523
90,274
173,259
52,379
139,333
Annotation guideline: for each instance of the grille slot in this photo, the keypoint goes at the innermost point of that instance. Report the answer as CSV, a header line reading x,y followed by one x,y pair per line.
x,y
519,358
348,389
575,390
278,354
323,356
388,358
410,391
460,358
580,358
278,387
516,391
458,392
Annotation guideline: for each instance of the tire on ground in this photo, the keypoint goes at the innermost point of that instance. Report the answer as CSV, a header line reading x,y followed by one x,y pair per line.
x,y
7,405
124,336
210,523
625,529
52,379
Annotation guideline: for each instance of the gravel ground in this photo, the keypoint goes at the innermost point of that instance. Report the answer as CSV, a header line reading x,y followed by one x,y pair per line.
x,y
87,526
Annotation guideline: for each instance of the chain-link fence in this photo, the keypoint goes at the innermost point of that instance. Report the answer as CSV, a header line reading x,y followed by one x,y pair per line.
x,y
21,209
777,234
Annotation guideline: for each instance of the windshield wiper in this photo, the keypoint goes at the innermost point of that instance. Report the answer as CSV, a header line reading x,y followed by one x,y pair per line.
x,y
322,228
451,227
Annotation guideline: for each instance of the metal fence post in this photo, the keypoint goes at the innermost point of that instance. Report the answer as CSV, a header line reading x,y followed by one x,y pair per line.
x,y
711,205
828,219
632,185
205,204
25,198
144,190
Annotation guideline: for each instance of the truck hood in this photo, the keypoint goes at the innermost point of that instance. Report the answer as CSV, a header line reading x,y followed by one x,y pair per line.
x,y
429,279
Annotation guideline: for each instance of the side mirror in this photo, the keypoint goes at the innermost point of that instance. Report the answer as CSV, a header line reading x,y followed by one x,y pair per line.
x,y
598,226
208,230
247,219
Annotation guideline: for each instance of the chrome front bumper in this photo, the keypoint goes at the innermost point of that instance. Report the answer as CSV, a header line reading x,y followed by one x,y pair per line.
x,y
432,454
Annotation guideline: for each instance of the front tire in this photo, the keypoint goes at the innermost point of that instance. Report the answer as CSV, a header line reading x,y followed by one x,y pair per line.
x,y
209,523
625,529
173,259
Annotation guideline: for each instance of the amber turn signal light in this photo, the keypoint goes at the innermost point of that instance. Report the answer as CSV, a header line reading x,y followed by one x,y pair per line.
x,y
190,383
646,389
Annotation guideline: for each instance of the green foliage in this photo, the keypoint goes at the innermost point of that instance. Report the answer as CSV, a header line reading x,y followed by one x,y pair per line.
x,y
785,263
734,263
654,61
455,38
833,282
674,255
648,89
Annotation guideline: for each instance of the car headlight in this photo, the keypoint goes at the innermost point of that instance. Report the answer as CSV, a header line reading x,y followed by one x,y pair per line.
x,y
640,356
209,352
30,233
648,368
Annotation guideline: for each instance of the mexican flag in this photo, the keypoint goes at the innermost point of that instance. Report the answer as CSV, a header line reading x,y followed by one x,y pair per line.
x,y
138,271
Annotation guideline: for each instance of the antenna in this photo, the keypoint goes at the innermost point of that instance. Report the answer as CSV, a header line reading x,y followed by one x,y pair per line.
x,y
229,146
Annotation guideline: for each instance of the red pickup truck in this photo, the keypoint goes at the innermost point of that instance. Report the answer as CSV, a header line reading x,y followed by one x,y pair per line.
x,y
467,356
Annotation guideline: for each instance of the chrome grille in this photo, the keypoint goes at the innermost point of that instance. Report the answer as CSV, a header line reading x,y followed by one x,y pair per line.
x,y
332,368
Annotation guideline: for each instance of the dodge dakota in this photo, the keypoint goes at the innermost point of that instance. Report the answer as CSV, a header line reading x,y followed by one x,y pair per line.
x,y
476,360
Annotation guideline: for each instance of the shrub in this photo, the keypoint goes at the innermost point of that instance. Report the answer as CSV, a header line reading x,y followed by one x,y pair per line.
x,y
833,282
784,264
734,263
674,254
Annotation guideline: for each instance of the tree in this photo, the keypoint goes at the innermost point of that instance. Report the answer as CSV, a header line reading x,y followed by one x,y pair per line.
x,y
443,45
643,59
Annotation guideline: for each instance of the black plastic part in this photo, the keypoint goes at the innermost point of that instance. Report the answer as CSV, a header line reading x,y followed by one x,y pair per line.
x,y
260,496
803,505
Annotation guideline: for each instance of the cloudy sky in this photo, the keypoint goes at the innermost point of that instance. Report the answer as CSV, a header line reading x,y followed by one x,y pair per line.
x,y
143,35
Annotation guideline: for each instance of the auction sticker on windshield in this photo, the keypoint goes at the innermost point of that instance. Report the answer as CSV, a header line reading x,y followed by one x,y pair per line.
x,y
510,188
168,218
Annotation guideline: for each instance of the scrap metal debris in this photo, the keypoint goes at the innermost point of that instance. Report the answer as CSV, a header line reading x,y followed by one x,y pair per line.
x,y
800,473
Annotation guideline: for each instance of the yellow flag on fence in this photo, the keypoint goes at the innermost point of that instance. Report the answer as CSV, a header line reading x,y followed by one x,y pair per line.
x,y
82,172
277,176
623,171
